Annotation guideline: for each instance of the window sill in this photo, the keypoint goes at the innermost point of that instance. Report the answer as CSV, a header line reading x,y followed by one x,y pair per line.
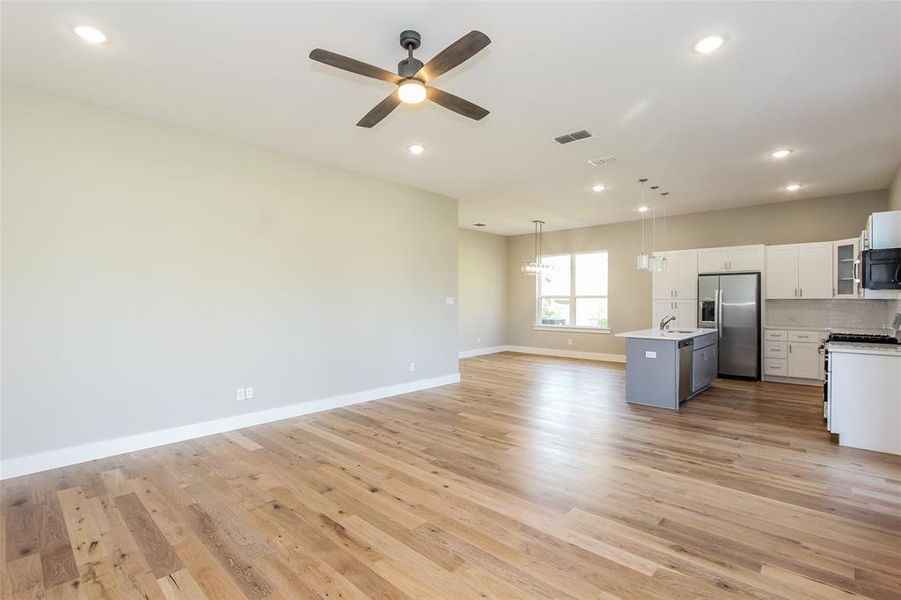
x,y
564,328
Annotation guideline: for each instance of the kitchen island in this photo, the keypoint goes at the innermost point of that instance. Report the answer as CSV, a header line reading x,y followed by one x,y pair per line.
x,y
667,367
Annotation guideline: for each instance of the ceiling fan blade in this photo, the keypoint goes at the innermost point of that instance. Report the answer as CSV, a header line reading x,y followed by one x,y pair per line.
x,y
456,104
380,111
457,53
354,66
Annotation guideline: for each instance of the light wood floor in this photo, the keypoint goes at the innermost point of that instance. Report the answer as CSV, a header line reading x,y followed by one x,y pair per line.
x,y
530,479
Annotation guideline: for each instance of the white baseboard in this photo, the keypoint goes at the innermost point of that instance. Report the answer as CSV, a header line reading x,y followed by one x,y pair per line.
x,y
481,351
617,358
33,463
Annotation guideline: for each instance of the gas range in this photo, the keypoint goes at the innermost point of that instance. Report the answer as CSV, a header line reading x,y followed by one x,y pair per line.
x,y
863,338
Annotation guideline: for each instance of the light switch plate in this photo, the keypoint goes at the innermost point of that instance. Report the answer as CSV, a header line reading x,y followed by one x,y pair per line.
x,y
449,301
240,393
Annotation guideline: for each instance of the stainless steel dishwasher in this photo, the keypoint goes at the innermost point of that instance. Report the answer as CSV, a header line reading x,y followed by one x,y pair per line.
x,y
686,358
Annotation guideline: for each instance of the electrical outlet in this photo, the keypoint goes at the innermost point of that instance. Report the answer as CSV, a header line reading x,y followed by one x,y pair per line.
x,y
240,393
412,367
449,301
478,340
248,393
569,341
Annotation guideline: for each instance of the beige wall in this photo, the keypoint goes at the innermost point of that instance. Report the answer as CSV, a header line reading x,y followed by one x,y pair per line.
x,y
483,284
831,218
894,200
148,271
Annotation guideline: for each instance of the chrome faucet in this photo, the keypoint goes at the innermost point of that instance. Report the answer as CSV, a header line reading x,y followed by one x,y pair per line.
x,y
666,321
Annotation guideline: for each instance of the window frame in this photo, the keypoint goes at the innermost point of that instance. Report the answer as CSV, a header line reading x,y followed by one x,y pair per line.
x,y
538,325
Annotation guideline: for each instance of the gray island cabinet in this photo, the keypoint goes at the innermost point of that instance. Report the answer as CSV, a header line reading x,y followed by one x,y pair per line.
x,y
665,368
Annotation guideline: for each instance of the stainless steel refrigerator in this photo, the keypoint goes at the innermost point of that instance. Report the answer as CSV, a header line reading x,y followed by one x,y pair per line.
x,y
731,304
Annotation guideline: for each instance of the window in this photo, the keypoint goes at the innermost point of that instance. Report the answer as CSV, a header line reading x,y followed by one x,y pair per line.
x,y
574,293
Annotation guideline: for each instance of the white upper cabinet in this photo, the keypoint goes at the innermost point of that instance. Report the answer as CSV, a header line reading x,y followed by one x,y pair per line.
x,y
679,279
731,259
684,267
845,265
712,260
815,270
796,271
745,258
782,272
662,281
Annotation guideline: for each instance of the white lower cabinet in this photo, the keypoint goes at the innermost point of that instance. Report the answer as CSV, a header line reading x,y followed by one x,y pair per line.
x,y
685,312
804,360
793,353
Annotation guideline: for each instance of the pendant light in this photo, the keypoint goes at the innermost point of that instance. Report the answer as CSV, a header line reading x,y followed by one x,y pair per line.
x,y
536,266
660,263
642,261
665,261
655,260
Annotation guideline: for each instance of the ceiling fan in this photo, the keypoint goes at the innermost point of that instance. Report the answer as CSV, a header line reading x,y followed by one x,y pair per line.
x,y
413,77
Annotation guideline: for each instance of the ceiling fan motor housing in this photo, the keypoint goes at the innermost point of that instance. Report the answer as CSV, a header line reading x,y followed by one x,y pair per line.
x,y
408,67
409,40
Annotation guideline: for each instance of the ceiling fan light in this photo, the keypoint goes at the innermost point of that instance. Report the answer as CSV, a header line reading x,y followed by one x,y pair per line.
x,y
411,91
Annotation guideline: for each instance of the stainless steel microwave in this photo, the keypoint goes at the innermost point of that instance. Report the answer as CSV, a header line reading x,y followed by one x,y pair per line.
x,y
881,269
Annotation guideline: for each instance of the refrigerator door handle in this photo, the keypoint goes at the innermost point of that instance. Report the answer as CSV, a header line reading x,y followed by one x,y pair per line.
x,y
719,312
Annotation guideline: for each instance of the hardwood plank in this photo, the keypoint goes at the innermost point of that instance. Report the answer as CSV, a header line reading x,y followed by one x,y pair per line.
x,y
22,578
153,544
180,585
84,533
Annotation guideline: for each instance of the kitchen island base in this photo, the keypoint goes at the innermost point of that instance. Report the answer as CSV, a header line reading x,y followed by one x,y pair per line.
x,y
664,369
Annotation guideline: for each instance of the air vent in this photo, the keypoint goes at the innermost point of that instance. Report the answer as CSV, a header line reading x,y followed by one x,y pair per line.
x,y
575,136
603,161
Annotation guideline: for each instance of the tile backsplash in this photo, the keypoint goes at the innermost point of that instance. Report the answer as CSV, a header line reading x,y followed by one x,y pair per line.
x,y
850,314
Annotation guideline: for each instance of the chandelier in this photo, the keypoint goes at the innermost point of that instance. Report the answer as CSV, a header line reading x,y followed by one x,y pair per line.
x,y
536,266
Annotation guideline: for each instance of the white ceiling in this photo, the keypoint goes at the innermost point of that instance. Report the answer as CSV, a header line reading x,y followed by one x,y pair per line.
x,y
819,77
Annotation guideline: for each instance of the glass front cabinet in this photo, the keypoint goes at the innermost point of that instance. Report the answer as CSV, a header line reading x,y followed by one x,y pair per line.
x,y
846,268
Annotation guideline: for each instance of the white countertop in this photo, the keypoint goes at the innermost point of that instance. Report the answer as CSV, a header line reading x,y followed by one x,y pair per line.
x,y
671,336
859,348
873,330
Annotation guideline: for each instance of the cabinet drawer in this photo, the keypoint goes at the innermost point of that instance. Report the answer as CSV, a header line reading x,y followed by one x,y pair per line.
x,y
776,366
775,335
776,349
805,336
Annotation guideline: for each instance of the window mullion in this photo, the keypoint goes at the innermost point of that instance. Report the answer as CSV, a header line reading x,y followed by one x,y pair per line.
x,y
572,289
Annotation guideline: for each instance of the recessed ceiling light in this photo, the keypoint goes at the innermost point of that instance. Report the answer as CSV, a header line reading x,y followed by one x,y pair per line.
x,y
793,187
599,187
416,149
90,34
411,91
709,44
643,209
781,153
